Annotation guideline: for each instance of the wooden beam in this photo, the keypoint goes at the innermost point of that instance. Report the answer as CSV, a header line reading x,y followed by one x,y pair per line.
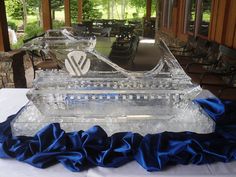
x,y
80,11
67,13
46,14
4,38
148,8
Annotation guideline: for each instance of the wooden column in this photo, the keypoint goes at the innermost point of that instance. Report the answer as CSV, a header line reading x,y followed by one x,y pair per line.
x,y
218,20
230,24
80,11
46,14
4,38
67,13
19,70
148,8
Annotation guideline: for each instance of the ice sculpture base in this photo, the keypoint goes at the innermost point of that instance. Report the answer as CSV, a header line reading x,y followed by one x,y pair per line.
x,y
191,118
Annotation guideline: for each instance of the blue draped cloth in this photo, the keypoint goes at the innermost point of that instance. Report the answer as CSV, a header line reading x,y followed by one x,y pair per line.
x,y
81,150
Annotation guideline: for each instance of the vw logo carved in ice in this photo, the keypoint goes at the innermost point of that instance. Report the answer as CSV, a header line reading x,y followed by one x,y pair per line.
x,y
77,63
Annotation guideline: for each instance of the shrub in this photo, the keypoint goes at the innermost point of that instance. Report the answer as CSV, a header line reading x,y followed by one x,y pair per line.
x,y
19,43
12,25
58,24
32,29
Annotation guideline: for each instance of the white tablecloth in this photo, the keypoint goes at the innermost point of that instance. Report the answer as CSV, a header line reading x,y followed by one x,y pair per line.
x,y
11,100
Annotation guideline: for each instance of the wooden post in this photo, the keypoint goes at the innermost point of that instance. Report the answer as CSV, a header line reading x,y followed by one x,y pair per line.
x,y
46,14
80,11
4,38
19,70
67,13
148,8
198,17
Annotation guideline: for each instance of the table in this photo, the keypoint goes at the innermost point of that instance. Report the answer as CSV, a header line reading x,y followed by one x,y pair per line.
x,y
11,100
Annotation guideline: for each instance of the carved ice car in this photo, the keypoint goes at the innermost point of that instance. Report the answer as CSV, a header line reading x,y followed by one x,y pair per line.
x,y
91,90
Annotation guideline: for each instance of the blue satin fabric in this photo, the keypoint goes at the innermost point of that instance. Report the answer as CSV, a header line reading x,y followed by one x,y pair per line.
x,y
81,150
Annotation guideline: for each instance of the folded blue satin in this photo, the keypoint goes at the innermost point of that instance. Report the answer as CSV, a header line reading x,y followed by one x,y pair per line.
x,y
84,149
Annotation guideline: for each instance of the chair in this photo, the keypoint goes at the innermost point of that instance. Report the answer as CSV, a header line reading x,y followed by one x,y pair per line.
x,y
45,63
118,47
80,30
222,73
125,53
126,31
88,25
106,32
199,51
225,64
199,65
102,32
184,49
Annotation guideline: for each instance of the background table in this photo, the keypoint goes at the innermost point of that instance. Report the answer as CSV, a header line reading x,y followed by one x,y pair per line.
x,y
11,100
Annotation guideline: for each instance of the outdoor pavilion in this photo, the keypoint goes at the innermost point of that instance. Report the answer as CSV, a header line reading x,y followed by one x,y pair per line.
x,y
47,19
16,56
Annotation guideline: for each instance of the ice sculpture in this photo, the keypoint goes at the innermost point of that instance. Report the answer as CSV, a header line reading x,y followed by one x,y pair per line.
x,y
91,90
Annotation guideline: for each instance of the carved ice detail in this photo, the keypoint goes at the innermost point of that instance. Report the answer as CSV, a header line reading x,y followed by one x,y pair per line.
x,y
77,63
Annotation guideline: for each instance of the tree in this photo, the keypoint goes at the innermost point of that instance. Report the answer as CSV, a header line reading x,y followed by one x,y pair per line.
x,y
89,10
17,9
123,5
138,3
56,5
24,4
14,9
35,6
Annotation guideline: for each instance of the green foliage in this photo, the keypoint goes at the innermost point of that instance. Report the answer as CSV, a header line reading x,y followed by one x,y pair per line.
x,y
138,3
32,6
14,8
58,24
90,10
19,43
32,29
154,6
57,4
141,5
135,15
12,25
